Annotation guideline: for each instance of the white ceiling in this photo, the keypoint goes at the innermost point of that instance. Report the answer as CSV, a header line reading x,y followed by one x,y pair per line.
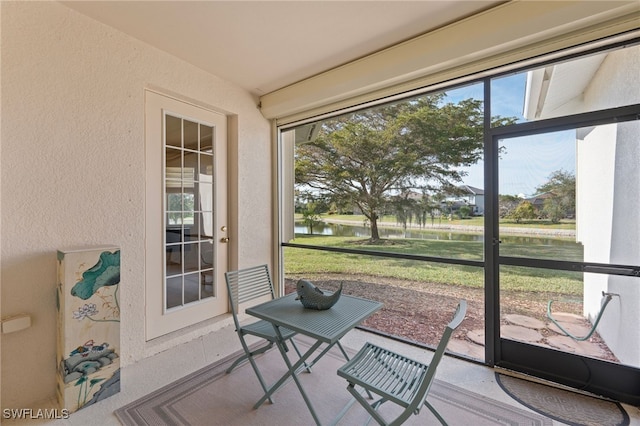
x,y
266,45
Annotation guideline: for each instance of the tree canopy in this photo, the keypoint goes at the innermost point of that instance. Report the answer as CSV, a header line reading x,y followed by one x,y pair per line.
x,y
524,211
365,158
561,186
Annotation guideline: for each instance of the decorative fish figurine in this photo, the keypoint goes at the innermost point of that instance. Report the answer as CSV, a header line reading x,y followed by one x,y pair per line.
x,y
312,297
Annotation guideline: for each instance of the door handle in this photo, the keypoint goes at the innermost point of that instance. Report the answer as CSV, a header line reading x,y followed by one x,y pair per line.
x,y
224,239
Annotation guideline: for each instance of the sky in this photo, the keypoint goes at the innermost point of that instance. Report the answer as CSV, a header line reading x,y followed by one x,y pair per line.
x,y
526,162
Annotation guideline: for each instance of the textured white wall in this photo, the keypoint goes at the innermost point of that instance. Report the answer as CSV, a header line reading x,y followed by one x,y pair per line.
x,y
608,204
73,171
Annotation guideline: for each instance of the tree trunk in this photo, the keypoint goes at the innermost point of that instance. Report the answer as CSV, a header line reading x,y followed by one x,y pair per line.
x,y
375,236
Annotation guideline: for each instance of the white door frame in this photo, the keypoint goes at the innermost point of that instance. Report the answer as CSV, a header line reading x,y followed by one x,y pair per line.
x,y
160,321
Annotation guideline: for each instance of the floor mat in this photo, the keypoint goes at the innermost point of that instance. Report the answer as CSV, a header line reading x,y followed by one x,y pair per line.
x,y
211,397
566,406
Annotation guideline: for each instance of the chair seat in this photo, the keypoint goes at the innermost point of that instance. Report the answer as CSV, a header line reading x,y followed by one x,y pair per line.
x,y
245,285
394,377
264,329
390,375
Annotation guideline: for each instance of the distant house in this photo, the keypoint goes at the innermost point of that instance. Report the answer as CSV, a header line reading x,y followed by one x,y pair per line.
x,y
475,198
538,200
468,196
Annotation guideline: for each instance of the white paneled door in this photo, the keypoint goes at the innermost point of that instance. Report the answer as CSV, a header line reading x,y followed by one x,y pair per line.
x,y
186,214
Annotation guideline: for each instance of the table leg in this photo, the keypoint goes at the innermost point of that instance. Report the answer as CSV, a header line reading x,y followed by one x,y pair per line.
x,y
293,368
325,350
291,372
344,353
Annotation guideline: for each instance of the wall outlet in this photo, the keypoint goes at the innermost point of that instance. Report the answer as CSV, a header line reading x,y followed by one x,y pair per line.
x,y
16,323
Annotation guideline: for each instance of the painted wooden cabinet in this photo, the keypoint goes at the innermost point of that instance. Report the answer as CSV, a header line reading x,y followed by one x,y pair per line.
x,y
88,297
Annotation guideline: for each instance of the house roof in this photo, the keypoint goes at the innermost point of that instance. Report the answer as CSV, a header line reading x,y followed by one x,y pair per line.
x,y
539,198
556,90
262,46
472,189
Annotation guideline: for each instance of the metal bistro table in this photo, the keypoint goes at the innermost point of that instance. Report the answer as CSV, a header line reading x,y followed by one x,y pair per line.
x,y
327,326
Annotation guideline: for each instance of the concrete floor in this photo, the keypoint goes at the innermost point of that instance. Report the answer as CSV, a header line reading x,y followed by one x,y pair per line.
x,y
139,379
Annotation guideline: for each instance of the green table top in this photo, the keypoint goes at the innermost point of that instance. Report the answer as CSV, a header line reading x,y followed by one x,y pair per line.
x,y
327,326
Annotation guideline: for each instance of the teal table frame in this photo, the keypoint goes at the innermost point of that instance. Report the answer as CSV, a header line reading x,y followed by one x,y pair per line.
x,y
325,327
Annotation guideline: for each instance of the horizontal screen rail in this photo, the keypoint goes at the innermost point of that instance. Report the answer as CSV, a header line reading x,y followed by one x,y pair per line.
x,y
596,268
464,262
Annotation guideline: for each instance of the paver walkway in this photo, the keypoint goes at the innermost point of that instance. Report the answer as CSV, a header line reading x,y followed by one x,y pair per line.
x,y
531,330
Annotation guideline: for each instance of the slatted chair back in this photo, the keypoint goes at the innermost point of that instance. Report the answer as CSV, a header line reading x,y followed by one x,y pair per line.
x,y
247,284
395,377
423,391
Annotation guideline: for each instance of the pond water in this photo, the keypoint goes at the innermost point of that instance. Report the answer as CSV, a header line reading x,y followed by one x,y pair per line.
x,y
344,230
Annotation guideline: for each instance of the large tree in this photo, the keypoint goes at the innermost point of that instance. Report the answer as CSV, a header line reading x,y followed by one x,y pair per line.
x,y
367,157
561,186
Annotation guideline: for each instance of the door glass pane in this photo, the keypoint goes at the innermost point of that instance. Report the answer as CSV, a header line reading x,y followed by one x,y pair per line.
x,y
191,288
191,257
206,164
206,205
206,138
173,161
190,166
174,213
188,205
206,250
206,266
173,131
174,258
190,135
192,231
207,287
189,212
174,292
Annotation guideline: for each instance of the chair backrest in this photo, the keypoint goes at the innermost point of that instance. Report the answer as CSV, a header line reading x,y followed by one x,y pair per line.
x,y
247,284
423,391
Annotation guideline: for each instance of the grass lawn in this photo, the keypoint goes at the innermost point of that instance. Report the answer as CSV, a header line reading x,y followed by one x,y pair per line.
x,y
306,261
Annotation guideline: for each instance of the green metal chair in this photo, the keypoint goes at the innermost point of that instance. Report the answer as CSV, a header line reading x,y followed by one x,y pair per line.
x,y
396,378
243,286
